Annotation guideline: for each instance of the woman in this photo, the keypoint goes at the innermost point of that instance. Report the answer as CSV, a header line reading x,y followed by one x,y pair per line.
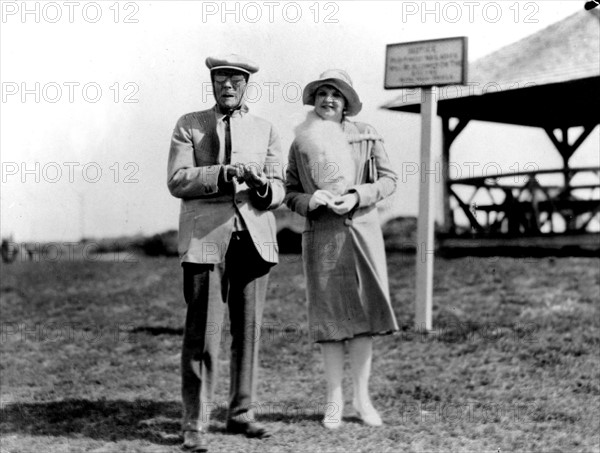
x,y
337,171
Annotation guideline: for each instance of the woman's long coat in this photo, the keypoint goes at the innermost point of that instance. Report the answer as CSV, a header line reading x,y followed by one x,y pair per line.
x,y
343,256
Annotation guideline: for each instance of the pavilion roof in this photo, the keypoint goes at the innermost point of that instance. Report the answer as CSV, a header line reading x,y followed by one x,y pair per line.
x,y
548,79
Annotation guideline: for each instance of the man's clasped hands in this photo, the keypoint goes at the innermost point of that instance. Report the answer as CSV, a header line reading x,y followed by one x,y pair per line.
x,y
252,175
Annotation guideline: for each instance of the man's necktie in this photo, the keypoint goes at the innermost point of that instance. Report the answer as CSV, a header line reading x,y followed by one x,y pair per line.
x,y
227,119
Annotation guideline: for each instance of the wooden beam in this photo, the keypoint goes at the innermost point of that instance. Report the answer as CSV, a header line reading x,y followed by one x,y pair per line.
x,y
558,144
449,135
474,223
564,148
448,225
587,130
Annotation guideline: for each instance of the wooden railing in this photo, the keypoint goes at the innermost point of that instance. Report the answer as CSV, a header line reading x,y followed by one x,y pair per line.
x,y
529,208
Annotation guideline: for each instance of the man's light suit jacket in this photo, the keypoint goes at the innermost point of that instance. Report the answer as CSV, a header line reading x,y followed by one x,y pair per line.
x,y
208,206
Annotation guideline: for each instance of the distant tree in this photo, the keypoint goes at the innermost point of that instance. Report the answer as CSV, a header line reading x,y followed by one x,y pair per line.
x,y
163,244
8,254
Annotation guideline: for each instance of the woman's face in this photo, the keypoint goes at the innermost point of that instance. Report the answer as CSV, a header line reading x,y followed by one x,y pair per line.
x,y
329,103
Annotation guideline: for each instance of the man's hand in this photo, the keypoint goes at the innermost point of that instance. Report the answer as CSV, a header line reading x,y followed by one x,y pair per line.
x,y
235,171
344,203
320,198
254,177
249,174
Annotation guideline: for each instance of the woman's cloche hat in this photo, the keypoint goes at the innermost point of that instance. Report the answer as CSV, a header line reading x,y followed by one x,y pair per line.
x,y
342,82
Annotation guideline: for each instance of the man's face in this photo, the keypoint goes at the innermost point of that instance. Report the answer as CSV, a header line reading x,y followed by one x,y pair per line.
x,y
229,86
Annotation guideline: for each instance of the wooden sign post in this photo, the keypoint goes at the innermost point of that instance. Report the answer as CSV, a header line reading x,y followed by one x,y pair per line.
x,y
426,218
426,64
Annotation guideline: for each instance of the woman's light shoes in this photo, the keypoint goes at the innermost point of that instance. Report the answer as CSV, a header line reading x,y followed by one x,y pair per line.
x,y
368,415
333,416
333,423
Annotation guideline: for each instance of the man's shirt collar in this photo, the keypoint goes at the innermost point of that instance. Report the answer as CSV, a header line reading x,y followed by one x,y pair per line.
x,y
240,111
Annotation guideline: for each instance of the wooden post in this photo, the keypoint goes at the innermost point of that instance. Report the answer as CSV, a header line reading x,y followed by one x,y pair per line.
x,y
429,67
448,224
426,218
448,137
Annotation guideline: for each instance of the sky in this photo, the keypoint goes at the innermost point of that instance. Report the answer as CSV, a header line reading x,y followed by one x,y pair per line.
x,y
91,92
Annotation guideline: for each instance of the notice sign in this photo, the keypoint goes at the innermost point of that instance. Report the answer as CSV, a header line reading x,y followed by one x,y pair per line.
x,y
436,62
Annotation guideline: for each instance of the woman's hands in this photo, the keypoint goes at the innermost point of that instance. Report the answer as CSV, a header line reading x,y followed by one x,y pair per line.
x,y
341,204
345,203
320,198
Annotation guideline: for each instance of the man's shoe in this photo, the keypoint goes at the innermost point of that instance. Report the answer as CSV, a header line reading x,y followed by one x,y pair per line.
x,y
194,441
249,429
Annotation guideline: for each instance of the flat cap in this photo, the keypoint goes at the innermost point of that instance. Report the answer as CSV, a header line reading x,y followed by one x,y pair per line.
x,y
232,61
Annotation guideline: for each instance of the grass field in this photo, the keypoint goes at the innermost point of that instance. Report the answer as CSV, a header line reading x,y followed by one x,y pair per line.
x,y
90,361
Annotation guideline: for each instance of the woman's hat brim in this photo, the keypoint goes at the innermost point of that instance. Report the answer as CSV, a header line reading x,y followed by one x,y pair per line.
x,y
353,106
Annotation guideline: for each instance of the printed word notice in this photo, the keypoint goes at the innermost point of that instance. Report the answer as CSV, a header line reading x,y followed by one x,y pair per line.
x,y
426,63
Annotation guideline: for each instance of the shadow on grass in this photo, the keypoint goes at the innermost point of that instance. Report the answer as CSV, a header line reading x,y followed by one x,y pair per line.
x,y
155,421
117,420
289,418
154,331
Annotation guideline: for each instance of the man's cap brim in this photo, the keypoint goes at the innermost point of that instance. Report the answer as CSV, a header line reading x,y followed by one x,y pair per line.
x,y
232,62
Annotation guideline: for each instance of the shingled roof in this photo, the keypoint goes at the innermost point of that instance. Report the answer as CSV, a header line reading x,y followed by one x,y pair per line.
x,y
565,50
564,56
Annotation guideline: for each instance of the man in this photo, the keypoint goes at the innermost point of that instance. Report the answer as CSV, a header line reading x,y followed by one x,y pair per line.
x,y
226,167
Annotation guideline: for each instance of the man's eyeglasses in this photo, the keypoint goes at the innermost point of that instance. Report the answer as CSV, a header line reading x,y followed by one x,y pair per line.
x,y
236,80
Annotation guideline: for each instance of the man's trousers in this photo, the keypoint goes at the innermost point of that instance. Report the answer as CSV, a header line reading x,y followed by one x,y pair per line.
x,y
241,282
